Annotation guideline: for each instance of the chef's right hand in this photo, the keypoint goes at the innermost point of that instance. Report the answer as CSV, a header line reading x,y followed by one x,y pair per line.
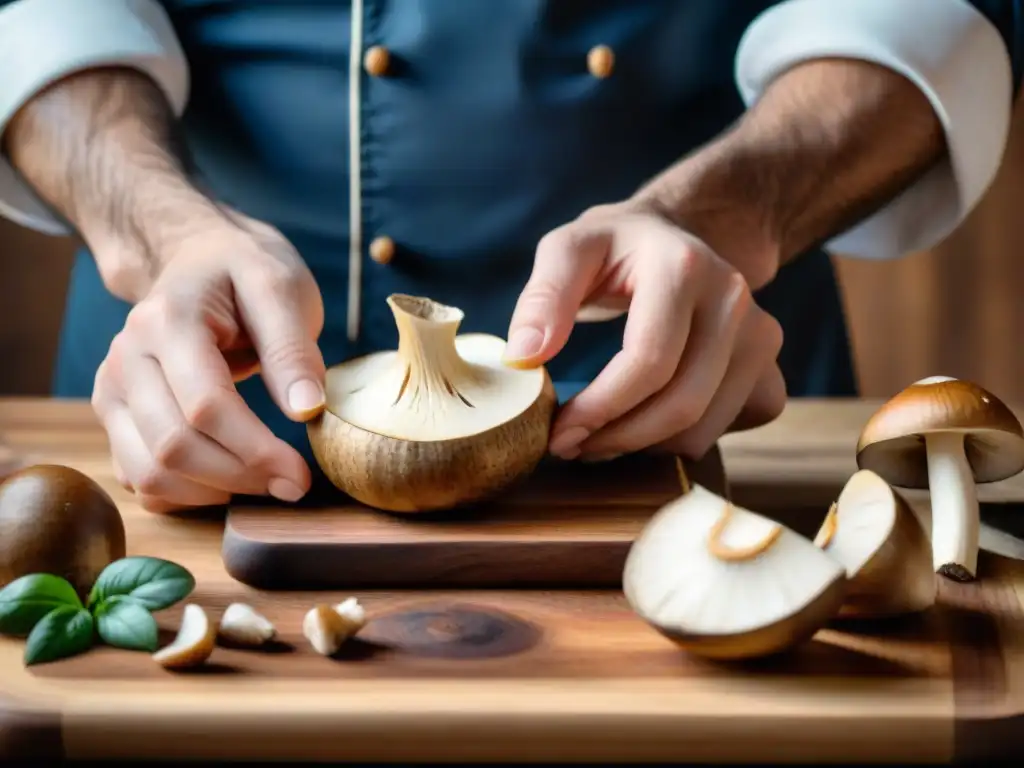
x,y
229,301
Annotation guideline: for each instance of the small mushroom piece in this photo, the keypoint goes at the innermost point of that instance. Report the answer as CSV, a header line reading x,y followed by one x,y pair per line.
x,y
872,531
241,624
726,583
945,435
327,627
194,643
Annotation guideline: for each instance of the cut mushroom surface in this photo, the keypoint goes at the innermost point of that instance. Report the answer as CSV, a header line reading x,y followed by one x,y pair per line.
x,y
726,582
873,532
436,385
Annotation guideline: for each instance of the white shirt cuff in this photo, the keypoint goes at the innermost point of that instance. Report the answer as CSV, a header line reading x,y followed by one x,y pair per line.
x,y
42,41
955,56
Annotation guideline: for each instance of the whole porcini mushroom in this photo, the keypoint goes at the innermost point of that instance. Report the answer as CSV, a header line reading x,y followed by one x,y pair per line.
x,y
872,531
945,435
439,423
57,520
726,583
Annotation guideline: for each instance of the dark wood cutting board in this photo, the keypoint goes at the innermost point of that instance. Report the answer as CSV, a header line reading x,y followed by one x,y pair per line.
x,y
570,525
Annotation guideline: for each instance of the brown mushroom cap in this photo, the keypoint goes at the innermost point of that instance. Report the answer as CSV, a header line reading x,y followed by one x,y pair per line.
x,y
892,443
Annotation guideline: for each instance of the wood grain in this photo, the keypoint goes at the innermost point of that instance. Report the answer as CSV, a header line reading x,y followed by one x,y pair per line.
x,y
569,525
526,675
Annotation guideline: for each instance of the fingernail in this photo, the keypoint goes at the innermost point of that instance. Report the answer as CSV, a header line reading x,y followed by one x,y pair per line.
x,y
305,395
565,445
524,344
285,490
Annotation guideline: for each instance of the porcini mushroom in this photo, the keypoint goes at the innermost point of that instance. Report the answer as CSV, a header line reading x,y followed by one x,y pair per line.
x,y
194,643
872,531
726,583
945,435
438,423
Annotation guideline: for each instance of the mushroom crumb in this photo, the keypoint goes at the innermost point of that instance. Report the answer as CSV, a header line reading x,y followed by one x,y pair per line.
x,y
241,624
328,627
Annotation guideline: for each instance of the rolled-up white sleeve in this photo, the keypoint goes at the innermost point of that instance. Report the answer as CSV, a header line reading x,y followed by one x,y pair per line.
x,y
952,52
42,41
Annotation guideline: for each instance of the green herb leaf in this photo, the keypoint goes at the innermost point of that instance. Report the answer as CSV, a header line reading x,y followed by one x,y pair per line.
x,y
150,581
25,601
124,623
65,631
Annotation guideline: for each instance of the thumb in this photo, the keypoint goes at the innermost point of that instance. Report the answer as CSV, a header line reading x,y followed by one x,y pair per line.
x,y
566,264
283,329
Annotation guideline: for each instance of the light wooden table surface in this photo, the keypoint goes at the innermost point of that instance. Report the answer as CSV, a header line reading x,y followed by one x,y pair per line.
x,y
598,685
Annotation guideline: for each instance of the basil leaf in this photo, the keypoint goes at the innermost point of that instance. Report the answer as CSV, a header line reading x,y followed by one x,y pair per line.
x,y
25,601
124,623
150,581
65,631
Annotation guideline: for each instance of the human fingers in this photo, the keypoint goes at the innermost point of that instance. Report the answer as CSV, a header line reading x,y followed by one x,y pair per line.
x,y
667,283
274,305
158,489
172,331
753,375
697,381
175,445
566,263
766,402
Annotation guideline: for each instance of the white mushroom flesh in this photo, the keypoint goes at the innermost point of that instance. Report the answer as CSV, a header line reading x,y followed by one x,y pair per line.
x,y
436,385
242,623
676,580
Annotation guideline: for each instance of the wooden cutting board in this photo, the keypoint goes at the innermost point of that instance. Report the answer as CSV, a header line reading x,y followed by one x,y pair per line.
x,y
561,675
570,525
528,676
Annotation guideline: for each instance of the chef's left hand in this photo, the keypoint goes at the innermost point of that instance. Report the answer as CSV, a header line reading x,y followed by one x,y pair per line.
x,y
698,355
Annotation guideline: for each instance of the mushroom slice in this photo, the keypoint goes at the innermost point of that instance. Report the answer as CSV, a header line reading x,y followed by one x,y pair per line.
x,y
945,435
196,639
328,627
726,583
244,625
875,535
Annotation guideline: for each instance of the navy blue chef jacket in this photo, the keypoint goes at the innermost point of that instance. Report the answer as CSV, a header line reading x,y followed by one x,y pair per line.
x,y
486,131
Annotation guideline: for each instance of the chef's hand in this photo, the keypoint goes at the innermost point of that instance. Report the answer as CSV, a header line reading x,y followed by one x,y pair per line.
x,y
698,355
231,300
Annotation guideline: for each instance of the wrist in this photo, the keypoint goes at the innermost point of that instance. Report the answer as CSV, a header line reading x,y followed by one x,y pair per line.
x,y
713,196
132,249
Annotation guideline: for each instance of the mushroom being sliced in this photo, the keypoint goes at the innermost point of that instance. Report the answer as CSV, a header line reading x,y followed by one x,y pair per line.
x,y
945,435
726,583
875,535
437,423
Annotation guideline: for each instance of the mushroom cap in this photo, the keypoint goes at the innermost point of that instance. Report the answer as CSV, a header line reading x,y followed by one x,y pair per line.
x,y
892,443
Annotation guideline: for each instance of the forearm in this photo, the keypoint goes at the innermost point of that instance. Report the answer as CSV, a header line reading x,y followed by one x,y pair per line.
x,y
829,143
101,148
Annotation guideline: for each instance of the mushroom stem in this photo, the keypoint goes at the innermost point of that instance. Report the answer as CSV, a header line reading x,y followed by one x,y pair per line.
x,y
955,517
426,348
730,554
